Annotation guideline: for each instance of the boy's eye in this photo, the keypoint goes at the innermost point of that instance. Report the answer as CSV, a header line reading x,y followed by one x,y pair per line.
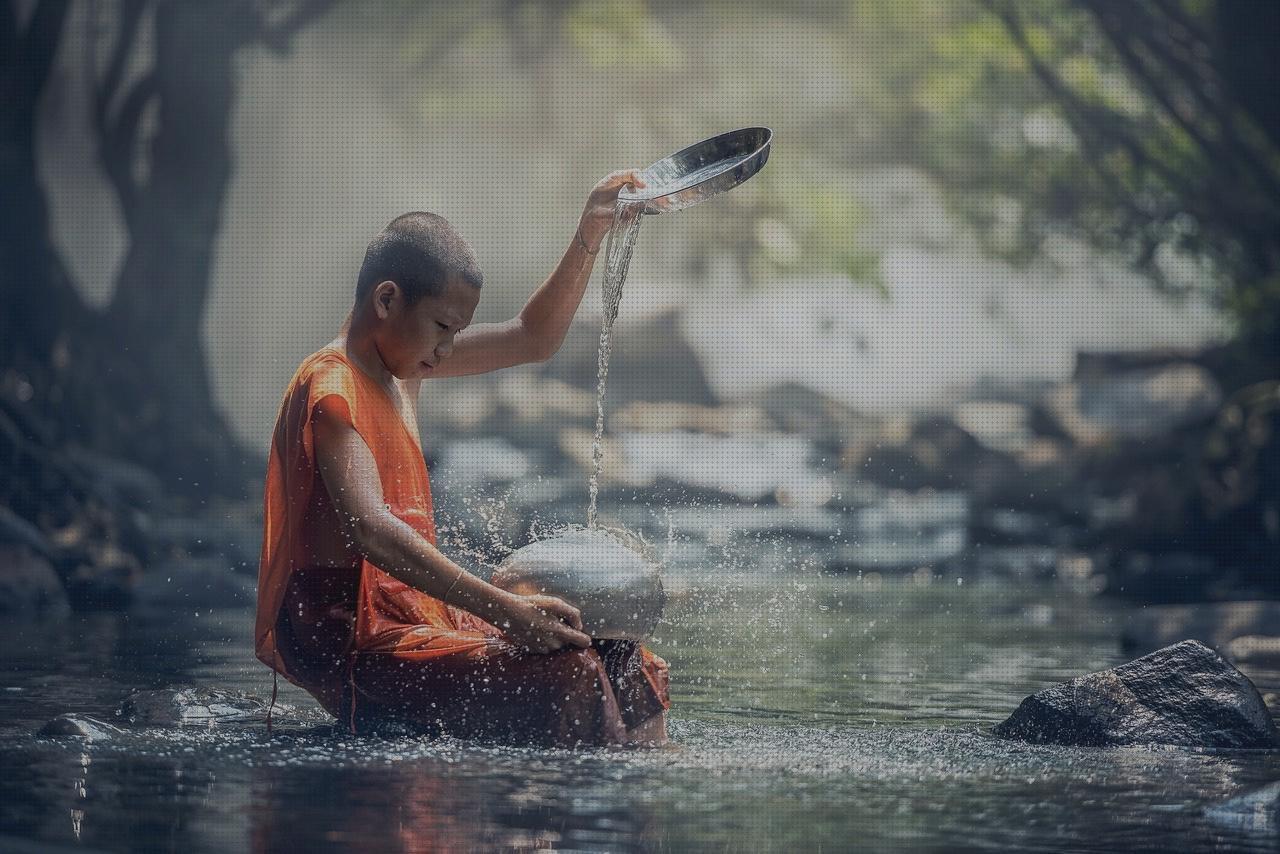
x,y
442,325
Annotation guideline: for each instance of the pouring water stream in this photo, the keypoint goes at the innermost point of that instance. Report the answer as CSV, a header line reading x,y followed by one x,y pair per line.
x,y
622,239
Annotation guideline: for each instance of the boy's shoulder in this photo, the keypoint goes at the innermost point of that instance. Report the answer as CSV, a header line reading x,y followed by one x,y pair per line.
x,y
319,374
322,362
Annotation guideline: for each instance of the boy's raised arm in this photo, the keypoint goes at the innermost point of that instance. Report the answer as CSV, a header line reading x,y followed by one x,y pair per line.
x,y
350,475
538,331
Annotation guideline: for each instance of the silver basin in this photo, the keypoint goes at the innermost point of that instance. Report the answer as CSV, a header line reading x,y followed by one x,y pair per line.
x,y
702,170
617,590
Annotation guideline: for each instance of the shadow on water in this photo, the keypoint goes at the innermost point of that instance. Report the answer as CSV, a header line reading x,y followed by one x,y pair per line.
x,y
810,711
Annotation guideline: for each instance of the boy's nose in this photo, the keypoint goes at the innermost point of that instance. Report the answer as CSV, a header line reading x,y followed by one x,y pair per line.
x,y
444,348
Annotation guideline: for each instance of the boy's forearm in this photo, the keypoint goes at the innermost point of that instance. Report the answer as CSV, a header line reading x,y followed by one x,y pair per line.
x,y
405,555
549,312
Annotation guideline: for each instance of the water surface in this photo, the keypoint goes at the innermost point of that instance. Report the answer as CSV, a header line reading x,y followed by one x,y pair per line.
x,y
811,712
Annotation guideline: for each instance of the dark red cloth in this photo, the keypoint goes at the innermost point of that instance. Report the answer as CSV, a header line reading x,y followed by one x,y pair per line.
x,y
495,690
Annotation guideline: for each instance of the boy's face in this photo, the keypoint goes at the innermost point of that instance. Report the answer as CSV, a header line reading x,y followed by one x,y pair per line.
x,y
412,340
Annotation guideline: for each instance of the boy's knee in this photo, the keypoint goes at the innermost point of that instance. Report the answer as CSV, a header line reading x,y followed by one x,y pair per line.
x,y
584,666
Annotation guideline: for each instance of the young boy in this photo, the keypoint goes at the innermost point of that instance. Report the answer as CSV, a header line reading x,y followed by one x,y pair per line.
x,y
355,602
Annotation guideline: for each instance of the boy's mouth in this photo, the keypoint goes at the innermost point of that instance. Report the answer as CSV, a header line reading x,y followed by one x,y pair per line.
x,y
428,366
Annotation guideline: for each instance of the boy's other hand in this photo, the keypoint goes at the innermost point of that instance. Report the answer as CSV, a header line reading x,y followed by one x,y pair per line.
x,y
558,608
597,217
546,624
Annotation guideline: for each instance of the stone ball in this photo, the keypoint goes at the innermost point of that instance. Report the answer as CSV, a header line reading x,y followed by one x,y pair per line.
x,y
617,589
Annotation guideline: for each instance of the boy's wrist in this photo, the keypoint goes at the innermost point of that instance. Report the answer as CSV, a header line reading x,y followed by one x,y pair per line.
x,y
582,242
503,605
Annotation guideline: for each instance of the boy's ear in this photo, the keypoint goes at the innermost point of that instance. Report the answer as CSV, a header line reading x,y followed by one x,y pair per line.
x,y
383,296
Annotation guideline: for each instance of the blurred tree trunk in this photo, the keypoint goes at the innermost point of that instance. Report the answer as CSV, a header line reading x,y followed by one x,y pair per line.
x,y
174,212
133,380
36,293
48,503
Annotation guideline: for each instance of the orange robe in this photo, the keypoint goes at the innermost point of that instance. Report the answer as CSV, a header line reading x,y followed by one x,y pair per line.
x,y
369,646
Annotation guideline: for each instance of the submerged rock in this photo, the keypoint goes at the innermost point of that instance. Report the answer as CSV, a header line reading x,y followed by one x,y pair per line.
x,y
73,725
1185,695
191,707
1255,812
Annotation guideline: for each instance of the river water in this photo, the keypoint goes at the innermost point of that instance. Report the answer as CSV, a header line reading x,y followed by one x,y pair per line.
x,y
811,712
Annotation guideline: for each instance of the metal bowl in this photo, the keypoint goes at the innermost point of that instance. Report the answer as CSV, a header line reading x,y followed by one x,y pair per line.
x,y
617,590
702,170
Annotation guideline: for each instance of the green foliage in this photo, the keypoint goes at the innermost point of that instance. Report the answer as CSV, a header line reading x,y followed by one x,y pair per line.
x,y
1119,123
826,220
1255,306
620,33
1115,122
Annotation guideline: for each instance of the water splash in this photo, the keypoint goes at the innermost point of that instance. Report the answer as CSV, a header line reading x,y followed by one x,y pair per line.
x,y
622,239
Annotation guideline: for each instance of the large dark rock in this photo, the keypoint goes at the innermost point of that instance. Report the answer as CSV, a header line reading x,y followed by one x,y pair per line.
x,y
29,585
18,531
1138,404
1185,695
804,411
1239,484
650,361
117,481
939,454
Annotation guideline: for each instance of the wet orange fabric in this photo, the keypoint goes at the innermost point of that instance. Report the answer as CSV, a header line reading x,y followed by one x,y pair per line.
x,y
410,645
391,616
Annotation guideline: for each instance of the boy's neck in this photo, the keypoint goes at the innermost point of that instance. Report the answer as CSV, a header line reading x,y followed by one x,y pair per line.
x,y
356,340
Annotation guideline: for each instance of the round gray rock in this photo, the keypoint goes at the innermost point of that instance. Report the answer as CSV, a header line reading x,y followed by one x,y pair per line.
x,y
617,590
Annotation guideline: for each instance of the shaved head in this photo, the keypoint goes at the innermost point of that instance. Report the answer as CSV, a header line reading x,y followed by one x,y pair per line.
x,y
421,252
